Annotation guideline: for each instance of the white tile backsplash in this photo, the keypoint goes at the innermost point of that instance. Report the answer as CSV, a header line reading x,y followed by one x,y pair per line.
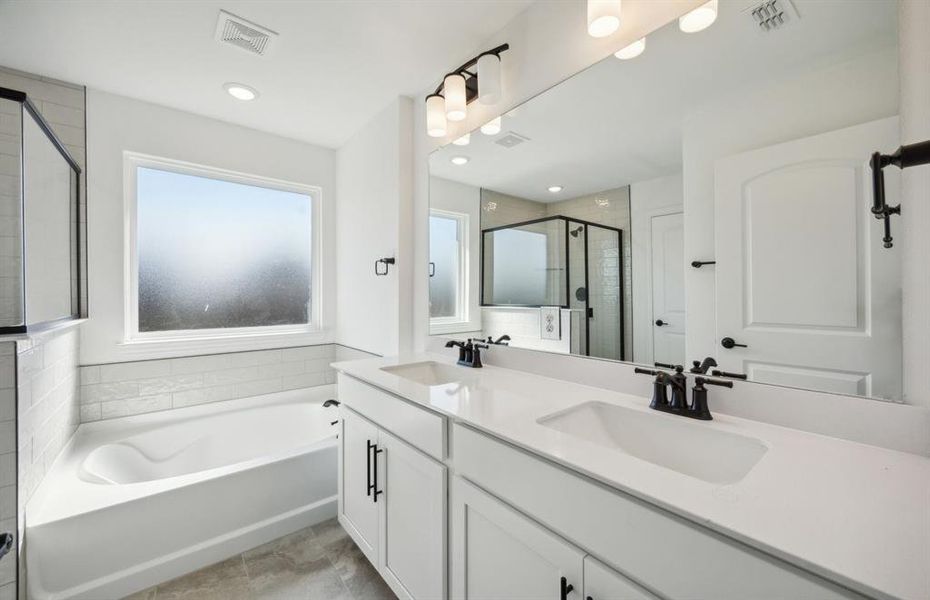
x,y
121,389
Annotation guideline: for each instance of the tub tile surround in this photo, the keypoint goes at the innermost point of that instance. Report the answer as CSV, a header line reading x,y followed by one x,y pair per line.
x,y
7,461
317,562
109,391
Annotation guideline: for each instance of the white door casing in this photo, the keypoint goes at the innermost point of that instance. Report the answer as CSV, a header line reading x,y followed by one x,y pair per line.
x,y
668,289
802,277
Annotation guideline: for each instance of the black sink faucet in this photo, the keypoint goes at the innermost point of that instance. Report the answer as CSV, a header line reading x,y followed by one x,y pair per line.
x,y
678,405
469,352
501,341
703,366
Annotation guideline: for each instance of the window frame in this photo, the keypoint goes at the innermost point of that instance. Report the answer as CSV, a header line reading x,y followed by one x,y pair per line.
x,y
441,325
312,331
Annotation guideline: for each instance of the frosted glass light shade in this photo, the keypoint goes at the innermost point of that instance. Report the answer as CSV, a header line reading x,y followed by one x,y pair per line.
x,y
435,116
603,17
489,79
631,51
462,141
453,88
492,127
700,18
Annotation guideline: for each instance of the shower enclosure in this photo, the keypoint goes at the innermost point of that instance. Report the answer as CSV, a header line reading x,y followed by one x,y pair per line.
x,y
40,245
560,262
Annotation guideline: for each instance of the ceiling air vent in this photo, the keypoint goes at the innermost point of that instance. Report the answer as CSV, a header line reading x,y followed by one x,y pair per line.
x,y
771,15
243,34
510,139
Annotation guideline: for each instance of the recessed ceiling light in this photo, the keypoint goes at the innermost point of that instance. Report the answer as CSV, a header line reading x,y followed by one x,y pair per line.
x,y
492,127
699,19
631,51
241,91
555,189
462,141
459,160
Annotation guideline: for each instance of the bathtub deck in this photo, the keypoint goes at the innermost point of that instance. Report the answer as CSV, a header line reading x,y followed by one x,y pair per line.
x,y
319,562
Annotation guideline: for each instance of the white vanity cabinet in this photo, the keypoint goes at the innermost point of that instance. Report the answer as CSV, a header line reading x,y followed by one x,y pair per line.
x,y
499,553
392,496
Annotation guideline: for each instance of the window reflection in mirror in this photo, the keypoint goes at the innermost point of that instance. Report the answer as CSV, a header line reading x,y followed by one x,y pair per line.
x,y
743,150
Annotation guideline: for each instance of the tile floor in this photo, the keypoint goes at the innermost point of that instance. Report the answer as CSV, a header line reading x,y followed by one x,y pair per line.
x,y
317,563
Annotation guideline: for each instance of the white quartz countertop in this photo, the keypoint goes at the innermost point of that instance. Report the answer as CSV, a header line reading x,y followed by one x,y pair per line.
x,y
856,514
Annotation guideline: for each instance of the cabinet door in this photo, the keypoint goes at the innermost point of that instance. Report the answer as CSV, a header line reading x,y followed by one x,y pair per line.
x,y
603,583
413,520
499,553
358,513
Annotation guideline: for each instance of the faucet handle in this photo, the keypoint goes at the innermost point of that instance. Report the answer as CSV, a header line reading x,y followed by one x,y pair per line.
x,y
676,368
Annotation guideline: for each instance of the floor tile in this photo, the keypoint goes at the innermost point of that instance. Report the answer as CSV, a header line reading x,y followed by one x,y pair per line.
x,y
226,580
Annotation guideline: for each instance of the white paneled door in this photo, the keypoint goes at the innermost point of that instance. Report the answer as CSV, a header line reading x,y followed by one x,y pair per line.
x,y
668,289
804,285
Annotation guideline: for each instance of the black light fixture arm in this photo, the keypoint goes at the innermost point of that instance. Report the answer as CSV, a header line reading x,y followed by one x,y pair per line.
x,y
910,155
471,78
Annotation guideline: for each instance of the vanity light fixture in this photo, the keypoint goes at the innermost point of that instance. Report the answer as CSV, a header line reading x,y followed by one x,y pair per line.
x,y
459,160
492,127
462,141
602,201
555,189
631,51
435,116
478,78
603,17
699,19
240,91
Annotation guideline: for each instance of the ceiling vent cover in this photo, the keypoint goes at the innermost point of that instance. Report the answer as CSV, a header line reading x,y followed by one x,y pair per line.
x,y
243,34
511,139
771,15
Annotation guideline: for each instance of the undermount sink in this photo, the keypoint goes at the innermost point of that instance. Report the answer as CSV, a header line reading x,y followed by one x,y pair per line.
x,y
428,372
677,443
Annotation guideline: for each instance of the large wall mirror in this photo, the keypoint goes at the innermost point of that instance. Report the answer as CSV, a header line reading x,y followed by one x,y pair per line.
x,y
708,198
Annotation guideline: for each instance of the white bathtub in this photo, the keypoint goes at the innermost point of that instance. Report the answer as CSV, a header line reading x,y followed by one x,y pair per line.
x,y
139,500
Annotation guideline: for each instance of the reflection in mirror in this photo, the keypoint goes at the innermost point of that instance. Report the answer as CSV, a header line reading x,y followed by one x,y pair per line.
x,y
742,150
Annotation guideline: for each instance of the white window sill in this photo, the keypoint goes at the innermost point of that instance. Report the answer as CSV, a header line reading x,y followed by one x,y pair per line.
x,y
143,349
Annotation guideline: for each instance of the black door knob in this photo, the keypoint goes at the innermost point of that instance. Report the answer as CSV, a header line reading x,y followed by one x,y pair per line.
x,y
6,543
729,342
661,323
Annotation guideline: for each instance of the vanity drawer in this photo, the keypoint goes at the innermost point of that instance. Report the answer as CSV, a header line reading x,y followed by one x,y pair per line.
x,y
416,426
657,549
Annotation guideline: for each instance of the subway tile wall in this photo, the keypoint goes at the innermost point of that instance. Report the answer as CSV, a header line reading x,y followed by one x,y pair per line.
x,y
116,390
8,463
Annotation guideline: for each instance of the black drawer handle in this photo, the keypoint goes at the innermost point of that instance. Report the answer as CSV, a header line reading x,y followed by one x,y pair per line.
x,y
368,467
729,342
565,589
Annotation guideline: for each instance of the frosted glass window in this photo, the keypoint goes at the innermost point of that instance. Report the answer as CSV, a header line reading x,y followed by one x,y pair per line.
x,y
446,255
216,254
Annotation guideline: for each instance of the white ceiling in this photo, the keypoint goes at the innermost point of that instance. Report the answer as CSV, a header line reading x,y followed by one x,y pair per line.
x,y
620,122
335,64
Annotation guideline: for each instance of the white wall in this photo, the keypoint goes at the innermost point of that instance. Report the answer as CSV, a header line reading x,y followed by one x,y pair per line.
x,y
549,43
648,199
914,23
464,199
116,124
373,221
818,101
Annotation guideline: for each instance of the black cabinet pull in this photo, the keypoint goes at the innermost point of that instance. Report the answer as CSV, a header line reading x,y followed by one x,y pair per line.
x,y
374,484
729,342
368,467
565,589
432,269
661,323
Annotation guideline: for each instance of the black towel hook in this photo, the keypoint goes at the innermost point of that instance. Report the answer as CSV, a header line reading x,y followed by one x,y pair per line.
x,y
910,155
